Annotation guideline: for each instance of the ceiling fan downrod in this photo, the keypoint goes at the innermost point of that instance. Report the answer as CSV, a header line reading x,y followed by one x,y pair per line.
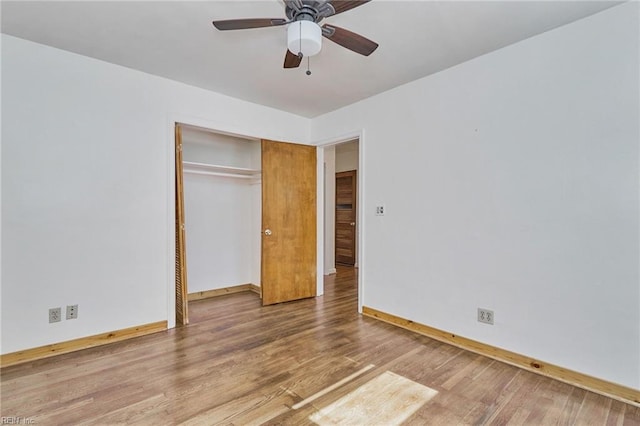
x,y
308,10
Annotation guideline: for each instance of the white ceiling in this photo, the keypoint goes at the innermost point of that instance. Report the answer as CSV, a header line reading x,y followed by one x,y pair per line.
x,y
175,39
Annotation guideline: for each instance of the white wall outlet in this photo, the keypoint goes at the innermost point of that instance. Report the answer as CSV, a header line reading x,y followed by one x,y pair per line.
x,y
485,316
55,315
72,311
380,210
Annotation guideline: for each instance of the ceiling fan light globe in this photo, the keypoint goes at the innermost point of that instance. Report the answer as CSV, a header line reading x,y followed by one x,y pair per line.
x,y
305,37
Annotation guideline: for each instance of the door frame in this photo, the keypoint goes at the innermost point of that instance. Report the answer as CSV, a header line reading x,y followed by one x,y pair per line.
x,y
360,197
218,127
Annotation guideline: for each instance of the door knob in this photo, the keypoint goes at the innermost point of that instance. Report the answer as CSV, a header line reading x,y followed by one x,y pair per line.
x,y
352,224
267,232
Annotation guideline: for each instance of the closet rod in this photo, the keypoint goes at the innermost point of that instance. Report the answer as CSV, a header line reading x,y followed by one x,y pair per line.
x,y
232,175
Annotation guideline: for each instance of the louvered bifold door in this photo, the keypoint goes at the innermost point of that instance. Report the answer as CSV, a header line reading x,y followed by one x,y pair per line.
x,y
182,317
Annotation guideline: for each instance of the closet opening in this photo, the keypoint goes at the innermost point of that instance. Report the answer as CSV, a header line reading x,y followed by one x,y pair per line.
x,y
246,218
218,215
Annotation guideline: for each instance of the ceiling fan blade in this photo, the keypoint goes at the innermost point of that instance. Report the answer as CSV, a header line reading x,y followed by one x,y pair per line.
x,y
291,60
243,24
344,5
350,40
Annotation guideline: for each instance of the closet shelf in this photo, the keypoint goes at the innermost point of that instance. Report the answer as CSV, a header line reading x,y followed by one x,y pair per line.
x,y
215,170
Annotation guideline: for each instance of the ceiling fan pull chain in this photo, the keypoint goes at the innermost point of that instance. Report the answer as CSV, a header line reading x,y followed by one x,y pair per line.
x,y
300,50
300,53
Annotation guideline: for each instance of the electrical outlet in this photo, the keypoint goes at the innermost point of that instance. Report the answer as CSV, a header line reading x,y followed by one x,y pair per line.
x,y
72,311
55,315
485,316
380,210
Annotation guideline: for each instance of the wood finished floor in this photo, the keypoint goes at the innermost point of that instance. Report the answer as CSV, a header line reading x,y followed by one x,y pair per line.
x,y
239,363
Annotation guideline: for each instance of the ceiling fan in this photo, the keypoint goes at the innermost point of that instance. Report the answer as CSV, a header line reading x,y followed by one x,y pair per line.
x,y
304,34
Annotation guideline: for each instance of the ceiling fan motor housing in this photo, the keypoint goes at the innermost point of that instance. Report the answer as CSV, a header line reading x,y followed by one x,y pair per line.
x,y
308,10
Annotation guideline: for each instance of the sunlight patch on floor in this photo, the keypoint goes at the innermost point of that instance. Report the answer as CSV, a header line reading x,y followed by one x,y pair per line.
x,y
388,399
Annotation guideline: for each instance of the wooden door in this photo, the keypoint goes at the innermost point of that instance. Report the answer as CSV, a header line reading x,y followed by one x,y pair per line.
x,y
182,315
346,184
289,266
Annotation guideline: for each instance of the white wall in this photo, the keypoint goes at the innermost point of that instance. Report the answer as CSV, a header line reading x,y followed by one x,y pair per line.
x,y
224,150
219,218
256,235
329,210
512,183
87,188
347,156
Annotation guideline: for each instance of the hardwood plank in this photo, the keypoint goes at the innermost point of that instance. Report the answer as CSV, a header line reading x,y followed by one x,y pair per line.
x,y
248,410
612,390
46,351
387,399
241,363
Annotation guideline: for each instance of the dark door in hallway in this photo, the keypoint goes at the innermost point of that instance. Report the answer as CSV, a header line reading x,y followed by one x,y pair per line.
x,y
346,184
